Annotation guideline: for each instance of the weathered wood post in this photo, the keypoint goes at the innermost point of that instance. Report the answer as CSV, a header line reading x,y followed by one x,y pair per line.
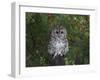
x,y
58,60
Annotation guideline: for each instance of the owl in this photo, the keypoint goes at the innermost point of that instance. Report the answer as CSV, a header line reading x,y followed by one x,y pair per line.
x,y
58,43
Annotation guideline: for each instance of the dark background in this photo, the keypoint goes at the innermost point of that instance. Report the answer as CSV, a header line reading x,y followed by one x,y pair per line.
x,y
38,27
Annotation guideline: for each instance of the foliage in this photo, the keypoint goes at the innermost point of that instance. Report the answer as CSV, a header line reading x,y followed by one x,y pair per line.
x,y
38,26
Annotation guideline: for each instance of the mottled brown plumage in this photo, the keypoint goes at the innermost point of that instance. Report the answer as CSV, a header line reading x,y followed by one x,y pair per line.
x,y
58,43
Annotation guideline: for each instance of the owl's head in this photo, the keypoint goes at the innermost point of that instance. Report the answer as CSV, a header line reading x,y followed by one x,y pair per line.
x,y
59,32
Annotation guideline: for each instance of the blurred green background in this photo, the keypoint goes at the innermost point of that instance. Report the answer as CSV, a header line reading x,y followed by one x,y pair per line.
x,y
38,27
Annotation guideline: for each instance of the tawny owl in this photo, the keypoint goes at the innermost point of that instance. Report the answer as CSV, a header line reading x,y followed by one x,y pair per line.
x,y
58,44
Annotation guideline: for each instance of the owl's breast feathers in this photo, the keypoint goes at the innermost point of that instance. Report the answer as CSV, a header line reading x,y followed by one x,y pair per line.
x,y
58,46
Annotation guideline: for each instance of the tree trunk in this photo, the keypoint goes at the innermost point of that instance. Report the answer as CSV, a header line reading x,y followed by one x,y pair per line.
x,y
58,60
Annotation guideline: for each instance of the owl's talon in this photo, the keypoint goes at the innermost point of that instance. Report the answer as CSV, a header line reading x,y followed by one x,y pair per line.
x,y
62,55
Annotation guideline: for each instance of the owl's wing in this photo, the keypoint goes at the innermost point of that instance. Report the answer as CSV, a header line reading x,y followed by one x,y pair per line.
x,y
66,49
51,48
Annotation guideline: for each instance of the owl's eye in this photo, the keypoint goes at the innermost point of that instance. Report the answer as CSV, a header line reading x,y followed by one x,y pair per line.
x,y
61,32
57,32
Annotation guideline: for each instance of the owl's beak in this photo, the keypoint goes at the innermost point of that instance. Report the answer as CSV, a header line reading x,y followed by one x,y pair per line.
x,y
59,36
